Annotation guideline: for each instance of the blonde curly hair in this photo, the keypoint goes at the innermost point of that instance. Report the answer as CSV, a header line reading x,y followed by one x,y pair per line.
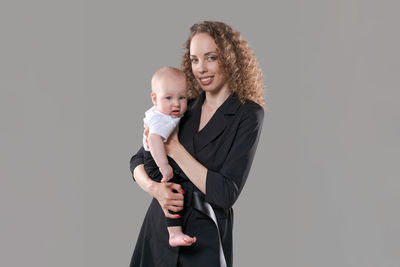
x,y
237,60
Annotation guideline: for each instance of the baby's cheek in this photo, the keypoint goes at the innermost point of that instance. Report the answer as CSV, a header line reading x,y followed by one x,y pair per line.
x,y
184,106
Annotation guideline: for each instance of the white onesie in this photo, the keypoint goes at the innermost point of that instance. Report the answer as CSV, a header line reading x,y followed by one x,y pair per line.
x,y
160,124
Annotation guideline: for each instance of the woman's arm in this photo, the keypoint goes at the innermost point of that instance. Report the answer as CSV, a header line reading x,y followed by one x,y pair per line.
x,y
223,187
195,171
163,192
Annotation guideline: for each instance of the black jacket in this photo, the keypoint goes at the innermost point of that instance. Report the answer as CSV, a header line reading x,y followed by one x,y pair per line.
x,y
226,147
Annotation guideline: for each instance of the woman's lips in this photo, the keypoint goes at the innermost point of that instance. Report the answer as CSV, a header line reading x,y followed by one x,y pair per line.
x,y
206,80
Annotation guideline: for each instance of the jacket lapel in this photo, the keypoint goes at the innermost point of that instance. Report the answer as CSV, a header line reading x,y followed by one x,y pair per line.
x,y
217,123
211,130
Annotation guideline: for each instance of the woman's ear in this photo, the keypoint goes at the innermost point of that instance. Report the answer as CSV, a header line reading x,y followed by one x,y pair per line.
x,y
154,98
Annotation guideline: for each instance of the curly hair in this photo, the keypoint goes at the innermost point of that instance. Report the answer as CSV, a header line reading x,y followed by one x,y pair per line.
x,y
237,60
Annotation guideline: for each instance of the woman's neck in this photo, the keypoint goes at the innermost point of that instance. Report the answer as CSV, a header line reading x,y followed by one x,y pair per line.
x,y
214,101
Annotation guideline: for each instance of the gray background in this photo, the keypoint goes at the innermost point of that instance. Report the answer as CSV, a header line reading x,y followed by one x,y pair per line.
x,y
75,80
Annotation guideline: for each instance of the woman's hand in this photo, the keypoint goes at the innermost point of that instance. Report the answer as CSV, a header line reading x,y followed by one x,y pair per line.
x,y
169,196
146,133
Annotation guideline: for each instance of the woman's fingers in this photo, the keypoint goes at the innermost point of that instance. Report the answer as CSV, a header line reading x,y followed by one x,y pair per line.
x,y
169,199
174,205
174,191
177,187
177,203
146,133
174,208
170,215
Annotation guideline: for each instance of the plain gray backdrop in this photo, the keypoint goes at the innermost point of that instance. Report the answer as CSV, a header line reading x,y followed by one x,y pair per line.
x,y
324,189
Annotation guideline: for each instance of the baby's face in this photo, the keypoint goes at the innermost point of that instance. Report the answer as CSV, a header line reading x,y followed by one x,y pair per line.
x,y
170,96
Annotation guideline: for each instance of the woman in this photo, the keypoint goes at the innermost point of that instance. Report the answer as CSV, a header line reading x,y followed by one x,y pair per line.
x,y
212,157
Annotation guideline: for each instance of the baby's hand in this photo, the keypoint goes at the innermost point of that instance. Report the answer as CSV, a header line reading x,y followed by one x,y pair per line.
x,y
166,172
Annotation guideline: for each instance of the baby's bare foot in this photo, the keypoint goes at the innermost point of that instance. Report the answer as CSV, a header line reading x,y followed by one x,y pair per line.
x,y
181,240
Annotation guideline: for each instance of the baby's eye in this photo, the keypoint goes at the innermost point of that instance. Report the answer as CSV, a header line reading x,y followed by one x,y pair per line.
x,y
168,97
182,97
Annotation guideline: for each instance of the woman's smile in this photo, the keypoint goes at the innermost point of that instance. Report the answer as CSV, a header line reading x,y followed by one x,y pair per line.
x,y
206,80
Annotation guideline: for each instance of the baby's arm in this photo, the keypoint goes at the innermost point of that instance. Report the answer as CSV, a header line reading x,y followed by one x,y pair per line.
x,y
157,150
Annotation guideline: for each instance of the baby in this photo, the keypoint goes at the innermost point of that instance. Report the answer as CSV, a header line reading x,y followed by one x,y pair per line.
x,y
169,96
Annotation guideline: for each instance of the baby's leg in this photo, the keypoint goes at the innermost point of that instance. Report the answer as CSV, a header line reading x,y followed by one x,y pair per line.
x,y
178,238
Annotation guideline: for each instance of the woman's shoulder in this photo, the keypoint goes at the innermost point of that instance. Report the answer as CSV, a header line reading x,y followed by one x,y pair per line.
x,y
252,109
249,118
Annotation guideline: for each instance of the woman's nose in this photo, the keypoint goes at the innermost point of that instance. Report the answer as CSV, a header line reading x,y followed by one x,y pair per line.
x,y
202,67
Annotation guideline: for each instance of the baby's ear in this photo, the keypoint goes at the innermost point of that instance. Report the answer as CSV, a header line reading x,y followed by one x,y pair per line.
x,y
154,98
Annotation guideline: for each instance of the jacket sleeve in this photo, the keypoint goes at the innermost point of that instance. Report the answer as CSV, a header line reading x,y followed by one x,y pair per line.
x,y
223,187
136,160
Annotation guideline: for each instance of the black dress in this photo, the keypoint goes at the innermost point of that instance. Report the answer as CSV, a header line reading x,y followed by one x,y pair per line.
x,y
226,147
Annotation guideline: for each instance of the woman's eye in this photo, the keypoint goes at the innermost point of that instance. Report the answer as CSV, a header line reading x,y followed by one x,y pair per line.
x,y
193,60
212,58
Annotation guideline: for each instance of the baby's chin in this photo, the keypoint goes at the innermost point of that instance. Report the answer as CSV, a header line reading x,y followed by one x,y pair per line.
x,y
176,116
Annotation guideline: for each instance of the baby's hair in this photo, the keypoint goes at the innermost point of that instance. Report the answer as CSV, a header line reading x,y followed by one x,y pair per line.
x,y
164,72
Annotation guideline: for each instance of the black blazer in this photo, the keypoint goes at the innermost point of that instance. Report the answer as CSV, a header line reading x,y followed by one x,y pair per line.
x,y
226,147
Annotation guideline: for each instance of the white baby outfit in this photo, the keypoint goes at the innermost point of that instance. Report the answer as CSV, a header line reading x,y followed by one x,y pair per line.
x,y
159,123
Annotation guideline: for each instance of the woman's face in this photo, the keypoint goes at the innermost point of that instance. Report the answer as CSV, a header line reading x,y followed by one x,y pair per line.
x,y
205,63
